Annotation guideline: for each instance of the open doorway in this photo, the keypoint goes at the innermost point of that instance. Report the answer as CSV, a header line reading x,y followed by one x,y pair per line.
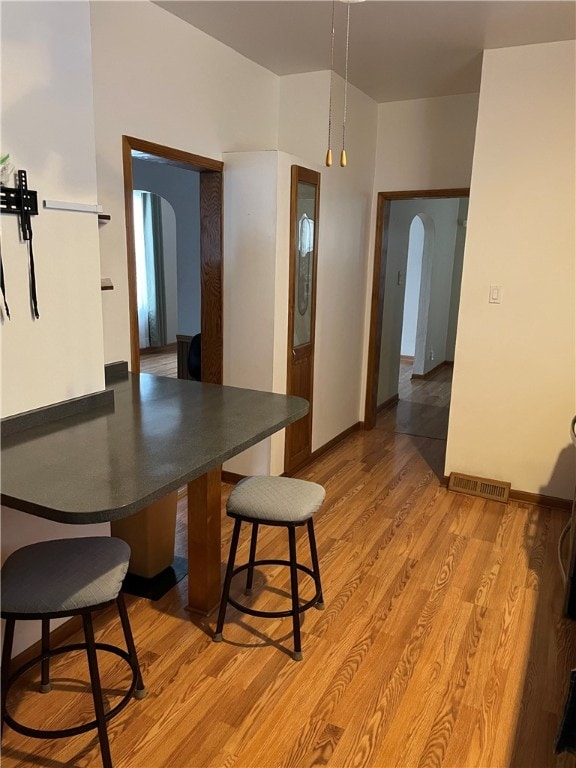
x,y
173,204
417,274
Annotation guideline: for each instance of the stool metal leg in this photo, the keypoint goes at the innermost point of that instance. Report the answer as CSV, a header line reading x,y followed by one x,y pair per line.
x,y
227,581
45,684
315,564
96,690
6,656
140,691
252,558
297,655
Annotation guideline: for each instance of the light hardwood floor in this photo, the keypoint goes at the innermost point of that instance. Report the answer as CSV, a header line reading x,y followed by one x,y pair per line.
x,y
164,363
442,642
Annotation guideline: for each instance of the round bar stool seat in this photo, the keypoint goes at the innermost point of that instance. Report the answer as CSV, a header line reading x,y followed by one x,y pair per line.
x,y
276,501
60,578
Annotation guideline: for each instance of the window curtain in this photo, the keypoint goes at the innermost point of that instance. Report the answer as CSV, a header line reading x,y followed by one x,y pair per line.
x,y
154,258
141,283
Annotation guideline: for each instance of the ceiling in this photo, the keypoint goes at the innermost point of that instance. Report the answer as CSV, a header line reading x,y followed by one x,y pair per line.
x,y
399,49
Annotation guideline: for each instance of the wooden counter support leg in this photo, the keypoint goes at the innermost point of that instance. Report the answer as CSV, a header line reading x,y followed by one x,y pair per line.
x,y
204,542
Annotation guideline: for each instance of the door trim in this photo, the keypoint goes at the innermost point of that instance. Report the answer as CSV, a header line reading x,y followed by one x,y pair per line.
x,y
378,284
306,175
211,172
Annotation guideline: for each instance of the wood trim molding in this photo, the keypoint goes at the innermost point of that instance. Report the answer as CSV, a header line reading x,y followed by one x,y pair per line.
x,y
149,150
158,350
58,636
387,403
323,449
411,194
433,371
540,500
211,194
537,499
131,254
377,303
211,277
231,477
298,436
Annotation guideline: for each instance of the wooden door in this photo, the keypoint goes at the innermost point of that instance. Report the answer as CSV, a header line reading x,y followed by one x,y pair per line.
x,y
304,210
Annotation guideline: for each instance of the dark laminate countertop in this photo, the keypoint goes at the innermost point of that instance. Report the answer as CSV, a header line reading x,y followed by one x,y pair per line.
x,y
159,434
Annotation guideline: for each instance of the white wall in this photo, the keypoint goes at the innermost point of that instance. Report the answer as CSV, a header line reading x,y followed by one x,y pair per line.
x,y
514,374
445,215
412,290
257,233
204,98
343,239
219,102
425,143
47,127
250,182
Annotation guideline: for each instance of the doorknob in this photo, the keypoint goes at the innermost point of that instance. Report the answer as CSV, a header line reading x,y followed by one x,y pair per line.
x,y
294,353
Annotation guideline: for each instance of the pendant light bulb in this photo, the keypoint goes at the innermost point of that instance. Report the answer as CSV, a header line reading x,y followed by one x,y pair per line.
x,y
329,158
343,158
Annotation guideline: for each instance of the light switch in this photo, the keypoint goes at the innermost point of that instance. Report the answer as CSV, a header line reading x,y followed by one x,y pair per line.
x,y
495,294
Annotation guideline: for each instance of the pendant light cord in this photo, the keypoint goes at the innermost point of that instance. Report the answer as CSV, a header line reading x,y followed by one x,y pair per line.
x,y
329,152
343,154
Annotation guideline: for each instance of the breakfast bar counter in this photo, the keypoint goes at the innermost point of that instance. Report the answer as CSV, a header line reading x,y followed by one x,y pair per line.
x,y
158,435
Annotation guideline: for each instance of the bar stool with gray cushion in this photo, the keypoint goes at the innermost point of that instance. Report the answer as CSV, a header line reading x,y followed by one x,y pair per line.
x,y
61,578
277,501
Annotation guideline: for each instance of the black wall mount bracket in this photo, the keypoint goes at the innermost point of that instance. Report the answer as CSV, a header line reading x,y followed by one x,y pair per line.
x,y
24,203
19,200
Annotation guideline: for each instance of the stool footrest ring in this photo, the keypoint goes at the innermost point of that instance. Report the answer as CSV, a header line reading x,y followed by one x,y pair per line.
x,y
39,733
276,614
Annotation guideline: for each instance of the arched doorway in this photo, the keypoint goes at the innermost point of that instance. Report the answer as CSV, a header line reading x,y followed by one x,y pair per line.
x,y
385,279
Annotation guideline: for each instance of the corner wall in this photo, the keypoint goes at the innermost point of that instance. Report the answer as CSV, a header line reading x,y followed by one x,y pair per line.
x,y
514,374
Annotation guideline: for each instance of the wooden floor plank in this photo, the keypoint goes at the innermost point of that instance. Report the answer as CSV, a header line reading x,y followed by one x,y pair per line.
x,y
442,642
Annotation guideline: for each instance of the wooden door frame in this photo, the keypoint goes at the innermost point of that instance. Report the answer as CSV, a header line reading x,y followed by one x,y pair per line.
x,y
306,175
378,285
211,172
